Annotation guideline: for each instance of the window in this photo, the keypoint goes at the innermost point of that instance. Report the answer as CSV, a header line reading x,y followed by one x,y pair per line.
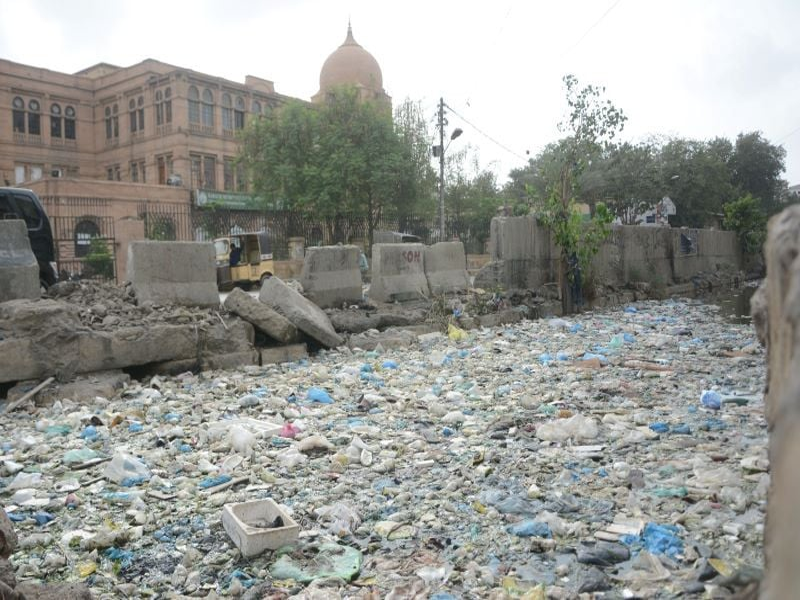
x,y
227,113
196,166
134,171
85,230
159,108
140,109
113,173
36,172
132,112
31,214
69,123
164,167
55,121
209,172
227,174
34,122
18,117
256,107
241,182
194,105
208,108
238,114
168,105
112,122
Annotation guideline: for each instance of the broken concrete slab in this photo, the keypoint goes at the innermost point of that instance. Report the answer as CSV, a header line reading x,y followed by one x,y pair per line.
x,y
19,271
173,272
232,360
304,314
283,354
261,316
331,276
391,338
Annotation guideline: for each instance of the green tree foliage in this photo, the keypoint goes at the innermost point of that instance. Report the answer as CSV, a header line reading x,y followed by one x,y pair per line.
x,y
591,125
745,217
344,156
99,262
756,168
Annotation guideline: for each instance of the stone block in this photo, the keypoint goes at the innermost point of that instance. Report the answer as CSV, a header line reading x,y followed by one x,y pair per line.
x,y
389,339
304,314
262,317
232,360
173,272
446,268
398,273
331,276
283,354
19,271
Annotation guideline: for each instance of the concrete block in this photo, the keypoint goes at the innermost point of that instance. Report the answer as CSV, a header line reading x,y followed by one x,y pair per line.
x,y
331,276
229,361
261,316
304,314
446,268
250,526
389,339
173,272
398,273
19,271
283,354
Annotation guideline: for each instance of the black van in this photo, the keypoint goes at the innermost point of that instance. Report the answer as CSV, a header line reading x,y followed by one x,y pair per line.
x,y
16,203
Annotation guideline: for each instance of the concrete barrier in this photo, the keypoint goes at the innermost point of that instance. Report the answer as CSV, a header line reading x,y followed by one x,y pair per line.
x,y
398,273
19,271
446,268
173,272
331,276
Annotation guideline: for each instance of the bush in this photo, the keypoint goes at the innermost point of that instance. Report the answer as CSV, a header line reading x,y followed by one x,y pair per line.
x,y
99,262
744,216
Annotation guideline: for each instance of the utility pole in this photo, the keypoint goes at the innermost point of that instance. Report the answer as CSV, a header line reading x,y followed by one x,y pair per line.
x,y
441,170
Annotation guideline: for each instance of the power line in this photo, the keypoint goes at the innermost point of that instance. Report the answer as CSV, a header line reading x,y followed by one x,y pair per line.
x,y
484,134
588,31
788,135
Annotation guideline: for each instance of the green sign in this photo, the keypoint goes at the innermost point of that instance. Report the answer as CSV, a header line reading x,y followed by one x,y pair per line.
x,y
235,200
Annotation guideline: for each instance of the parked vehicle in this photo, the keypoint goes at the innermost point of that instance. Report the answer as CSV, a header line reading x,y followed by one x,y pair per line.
x,y
17,203
243,259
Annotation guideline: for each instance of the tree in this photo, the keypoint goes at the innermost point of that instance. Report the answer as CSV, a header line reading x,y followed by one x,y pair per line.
x,y
342,157
632,180
592,124
745,217
756,167
417,191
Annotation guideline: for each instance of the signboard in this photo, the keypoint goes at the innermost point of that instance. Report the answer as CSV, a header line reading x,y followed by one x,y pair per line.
x,y
232,200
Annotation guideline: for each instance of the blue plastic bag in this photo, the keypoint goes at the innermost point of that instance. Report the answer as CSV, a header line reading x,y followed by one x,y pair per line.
x,y
530,528
711,399
318,395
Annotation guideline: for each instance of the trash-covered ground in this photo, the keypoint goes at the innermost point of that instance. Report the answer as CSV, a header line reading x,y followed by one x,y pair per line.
x,y
622,452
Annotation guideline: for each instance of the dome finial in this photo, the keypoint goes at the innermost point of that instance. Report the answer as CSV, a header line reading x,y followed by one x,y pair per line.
x,y
349,39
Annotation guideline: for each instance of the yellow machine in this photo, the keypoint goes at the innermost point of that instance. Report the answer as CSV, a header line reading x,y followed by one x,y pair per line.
x,y
254,263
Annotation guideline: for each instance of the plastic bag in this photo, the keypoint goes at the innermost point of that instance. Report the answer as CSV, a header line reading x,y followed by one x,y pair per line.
x,y
576,427
126,469
455,333
242,441
340,519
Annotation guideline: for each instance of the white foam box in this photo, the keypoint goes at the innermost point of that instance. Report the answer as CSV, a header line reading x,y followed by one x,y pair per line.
x,y
248,525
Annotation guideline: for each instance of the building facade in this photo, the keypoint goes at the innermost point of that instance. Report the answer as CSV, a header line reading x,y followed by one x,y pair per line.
x,y
126,153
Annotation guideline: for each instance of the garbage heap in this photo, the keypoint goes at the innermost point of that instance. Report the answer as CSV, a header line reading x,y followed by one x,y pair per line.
x,y
620,451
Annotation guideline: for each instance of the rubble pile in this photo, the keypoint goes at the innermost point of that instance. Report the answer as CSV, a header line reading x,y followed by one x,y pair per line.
x,y
620,451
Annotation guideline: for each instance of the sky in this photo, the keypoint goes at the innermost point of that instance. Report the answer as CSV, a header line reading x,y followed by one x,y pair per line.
x,y
690,68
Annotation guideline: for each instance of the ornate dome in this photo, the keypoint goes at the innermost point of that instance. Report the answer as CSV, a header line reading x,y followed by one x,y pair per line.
x,y
350,64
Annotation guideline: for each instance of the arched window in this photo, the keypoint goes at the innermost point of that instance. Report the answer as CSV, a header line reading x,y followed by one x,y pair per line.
x,y
168,105
34,119
18,116
227,112
112,122
136,112
85,230
238,114
256,107
69,123
55,121
208,108
194,105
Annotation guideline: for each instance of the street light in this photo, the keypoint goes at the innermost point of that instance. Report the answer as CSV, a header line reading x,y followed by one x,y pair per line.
x,y
439,151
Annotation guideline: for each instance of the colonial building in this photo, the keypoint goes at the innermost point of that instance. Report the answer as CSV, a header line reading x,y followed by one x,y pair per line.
x,y
126,153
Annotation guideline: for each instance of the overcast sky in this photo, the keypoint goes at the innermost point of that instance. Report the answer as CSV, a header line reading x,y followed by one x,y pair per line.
x,y
694,68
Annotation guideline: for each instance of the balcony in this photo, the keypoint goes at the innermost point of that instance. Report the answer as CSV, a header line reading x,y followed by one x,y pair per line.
x,y
27,138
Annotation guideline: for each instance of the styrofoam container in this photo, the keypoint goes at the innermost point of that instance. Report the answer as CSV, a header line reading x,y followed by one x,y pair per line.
x,y
247,524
